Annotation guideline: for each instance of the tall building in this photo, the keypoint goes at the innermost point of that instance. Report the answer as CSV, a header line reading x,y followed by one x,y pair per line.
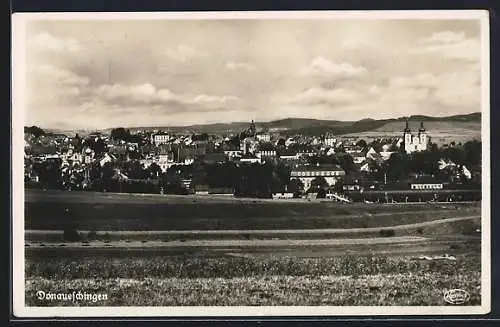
x,y
415,142
252,130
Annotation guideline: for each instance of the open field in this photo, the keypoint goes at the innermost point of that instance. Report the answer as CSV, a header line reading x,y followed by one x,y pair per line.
x,y
167,281
125,212
441,132
155,250
467,225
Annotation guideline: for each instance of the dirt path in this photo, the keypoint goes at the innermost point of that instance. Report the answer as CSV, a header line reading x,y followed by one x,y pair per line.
x,y
325,231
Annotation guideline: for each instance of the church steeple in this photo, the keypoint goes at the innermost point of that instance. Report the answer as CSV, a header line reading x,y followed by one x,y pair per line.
x,y
253,130
407,128
422,129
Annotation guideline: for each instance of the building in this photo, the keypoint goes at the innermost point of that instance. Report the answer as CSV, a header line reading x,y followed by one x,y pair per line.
x,y
306,174
160,138
266,154
264,137
330,141
417,142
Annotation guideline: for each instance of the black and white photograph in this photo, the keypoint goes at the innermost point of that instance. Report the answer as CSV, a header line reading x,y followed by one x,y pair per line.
x,y
251,163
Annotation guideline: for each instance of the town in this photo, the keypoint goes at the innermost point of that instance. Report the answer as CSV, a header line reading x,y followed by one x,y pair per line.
x,y
256,163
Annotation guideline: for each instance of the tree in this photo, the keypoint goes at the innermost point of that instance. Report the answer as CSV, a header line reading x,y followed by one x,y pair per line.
x,y
319,182
153,170
35,131
398,166
361,143
120,134
296,187
347,163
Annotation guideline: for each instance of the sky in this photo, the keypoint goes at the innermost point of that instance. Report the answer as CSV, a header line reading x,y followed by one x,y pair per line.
x,y
103,74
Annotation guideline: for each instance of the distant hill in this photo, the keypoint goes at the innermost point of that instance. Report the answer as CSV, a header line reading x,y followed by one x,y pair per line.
x,y
317,127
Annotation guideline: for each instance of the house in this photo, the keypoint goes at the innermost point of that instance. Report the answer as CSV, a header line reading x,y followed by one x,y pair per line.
x,y
265,154
425,183
226,191
282,195
201,189
358,157
306,174
231,154
264,137
106,158
330,141
250,159
160,138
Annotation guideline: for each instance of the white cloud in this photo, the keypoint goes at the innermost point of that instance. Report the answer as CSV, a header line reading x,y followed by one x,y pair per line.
x,y
49,85
148,95
320,66
135,94
63,77
318,95
183,53
444,37
449,44
207,99
49,42
426,80
240,65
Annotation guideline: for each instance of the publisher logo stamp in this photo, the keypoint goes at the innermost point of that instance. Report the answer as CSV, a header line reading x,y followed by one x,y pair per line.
x,y
456,296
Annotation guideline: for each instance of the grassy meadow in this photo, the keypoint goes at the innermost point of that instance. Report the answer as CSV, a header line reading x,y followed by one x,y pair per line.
x,y
347,280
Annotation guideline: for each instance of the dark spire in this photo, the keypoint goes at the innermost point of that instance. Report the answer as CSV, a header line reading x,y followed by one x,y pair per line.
x,y
407,129
422,129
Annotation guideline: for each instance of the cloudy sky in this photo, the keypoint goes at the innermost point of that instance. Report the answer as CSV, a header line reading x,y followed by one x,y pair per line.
x,y
99,74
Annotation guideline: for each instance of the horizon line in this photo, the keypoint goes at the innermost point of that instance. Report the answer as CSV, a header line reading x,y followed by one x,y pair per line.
x,y
241,122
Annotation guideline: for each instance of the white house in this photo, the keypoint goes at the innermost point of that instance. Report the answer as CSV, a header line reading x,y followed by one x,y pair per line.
x,y
264,137
160,138
306,174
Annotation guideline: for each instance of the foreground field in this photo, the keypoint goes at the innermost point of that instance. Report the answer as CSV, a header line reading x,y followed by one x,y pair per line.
x,y
171,281
123,212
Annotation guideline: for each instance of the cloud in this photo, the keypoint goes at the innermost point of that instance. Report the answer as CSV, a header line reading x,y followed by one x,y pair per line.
x,y
322,67
183,53
450,44
240,66
148,95
63,77
210,99
49,42
318,95
52,85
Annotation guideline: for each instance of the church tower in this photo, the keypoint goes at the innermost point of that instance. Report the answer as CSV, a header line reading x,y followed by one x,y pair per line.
x,y
407,138
253,130
422,137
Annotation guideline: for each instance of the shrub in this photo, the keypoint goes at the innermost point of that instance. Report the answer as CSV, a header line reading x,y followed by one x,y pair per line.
x,y
387,232
92,235
70,234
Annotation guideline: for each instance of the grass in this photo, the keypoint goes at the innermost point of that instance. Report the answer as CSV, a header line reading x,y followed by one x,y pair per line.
x,y
171,281
159,213
462,227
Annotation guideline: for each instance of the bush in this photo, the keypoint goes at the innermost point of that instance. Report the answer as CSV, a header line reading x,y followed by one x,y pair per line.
x,y
92,235
70,234
387,232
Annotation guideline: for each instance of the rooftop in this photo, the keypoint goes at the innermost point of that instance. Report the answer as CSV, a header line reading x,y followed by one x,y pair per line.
x,y
324,167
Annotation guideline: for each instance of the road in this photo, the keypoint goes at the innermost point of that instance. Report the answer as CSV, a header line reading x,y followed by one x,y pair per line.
x,y
277,232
